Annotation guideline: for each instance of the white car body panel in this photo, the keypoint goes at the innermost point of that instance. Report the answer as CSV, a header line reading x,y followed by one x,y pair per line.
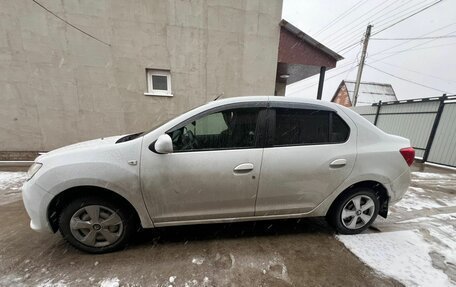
x,y
200,187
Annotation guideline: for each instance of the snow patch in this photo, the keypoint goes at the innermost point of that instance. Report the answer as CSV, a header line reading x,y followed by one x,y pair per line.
x,y
172,278
443,216
417,199
432,176
110,282
12,180
403,255
198,260
51,283
10,186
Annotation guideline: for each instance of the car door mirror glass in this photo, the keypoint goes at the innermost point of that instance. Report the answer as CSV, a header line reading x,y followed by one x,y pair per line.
x,y
164,144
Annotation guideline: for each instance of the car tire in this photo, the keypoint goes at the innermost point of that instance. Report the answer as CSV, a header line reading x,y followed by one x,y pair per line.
x,y
354,211
96,225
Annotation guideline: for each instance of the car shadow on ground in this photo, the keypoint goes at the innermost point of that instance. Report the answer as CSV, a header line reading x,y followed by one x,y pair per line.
x,y
238,230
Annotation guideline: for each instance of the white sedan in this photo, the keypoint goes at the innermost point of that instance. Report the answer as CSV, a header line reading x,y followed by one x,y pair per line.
x,y
238,159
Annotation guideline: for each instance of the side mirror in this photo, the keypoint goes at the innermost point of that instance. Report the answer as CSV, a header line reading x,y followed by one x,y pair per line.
x,y
164,144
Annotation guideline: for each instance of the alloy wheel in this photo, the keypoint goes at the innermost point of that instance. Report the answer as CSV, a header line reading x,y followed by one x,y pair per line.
x,y
357,212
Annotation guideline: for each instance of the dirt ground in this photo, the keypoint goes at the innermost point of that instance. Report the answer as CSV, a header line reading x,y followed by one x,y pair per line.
x,y
270,253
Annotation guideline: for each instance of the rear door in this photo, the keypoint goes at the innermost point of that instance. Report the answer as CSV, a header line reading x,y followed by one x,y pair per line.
x,y
310,151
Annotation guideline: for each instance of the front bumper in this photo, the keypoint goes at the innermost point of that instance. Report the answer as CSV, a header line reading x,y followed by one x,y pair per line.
x,y
36,201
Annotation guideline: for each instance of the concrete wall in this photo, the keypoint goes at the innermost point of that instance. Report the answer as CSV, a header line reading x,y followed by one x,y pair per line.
x,y
59,86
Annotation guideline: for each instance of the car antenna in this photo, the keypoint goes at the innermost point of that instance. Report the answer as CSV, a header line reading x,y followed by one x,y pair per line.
x,y
221,94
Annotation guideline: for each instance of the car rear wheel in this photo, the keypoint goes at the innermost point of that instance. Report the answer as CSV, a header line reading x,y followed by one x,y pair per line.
x,y
355,211
96,225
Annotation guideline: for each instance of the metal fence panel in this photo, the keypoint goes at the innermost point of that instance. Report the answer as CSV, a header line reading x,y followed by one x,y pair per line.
x,y
423,121
367,111
443,150
415,127
413,107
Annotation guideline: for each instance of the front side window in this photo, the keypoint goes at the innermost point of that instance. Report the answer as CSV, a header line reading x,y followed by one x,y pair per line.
x,y
228,129
306,127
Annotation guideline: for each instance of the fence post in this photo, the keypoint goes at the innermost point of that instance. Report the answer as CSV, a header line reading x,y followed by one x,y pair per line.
x,y
378,112
434,127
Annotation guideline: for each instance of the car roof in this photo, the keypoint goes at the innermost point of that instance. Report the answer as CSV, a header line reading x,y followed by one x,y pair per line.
x,y
283,99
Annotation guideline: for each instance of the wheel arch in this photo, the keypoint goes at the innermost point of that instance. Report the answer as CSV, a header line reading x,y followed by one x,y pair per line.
x,y
379,189
59,201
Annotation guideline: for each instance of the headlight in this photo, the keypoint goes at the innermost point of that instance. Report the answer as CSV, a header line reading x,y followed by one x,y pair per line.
x,y
33,169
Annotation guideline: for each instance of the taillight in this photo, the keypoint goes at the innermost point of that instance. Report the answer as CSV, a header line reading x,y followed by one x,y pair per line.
x,y
409,155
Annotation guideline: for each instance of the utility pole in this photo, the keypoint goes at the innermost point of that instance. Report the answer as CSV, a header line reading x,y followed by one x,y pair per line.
x,y
361,64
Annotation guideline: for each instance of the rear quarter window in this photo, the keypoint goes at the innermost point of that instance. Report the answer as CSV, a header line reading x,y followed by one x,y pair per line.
x,y
308,127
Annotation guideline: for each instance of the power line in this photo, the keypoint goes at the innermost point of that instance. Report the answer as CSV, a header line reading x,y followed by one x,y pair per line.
x,y
395,16
410,49
329,78
403,43
407,80
349,26
417,72
71,25
373,20
337,19
416,38
418,49
409,16
395,23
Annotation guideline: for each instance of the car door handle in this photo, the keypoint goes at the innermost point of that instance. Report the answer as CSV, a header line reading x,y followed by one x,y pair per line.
x,y
243,168
338,163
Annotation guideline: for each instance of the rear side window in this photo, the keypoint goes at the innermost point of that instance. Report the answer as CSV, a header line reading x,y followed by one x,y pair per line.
x,y
306,127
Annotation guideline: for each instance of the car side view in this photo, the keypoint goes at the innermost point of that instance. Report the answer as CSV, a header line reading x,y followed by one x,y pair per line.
x,y
237,159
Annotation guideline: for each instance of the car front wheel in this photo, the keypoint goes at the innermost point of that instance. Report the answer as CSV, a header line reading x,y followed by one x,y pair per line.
x,y
95,225
355,211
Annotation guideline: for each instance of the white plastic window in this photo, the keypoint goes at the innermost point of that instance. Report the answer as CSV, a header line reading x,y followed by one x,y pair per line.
x,y
158,83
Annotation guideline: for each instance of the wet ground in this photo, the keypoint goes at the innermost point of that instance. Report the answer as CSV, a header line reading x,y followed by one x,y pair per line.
x,y
274,253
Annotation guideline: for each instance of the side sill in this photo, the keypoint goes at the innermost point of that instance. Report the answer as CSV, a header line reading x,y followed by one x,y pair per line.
x,y
232,219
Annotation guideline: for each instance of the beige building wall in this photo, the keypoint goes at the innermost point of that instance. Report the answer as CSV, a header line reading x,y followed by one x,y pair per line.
x,y
59,86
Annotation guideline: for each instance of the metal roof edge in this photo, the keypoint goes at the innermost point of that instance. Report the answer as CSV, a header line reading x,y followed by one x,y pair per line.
x,y
303,36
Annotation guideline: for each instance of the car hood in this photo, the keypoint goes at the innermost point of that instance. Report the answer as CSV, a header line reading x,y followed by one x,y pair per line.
x,y
97,143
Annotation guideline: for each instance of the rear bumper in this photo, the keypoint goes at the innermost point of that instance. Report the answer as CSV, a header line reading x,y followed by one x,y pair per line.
x,y
36,201
399,186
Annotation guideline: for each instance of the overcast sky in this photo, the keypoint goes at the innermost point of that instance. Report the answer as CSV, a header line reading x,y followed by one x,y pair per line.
x,y
431,63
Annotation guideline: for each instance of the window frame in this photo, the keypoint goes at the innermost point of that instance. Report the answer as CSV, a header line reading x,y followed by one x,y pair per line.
x,y
272,124
150,87
260,126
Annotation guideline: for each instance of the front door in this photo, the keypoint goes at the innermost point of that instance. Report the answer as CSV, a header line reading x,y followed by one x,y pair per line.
x,y
310,152
213,171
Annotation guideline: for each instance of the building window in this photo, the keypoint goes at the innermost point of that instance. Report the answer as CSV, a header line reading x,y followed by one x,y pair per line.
x,y
158,83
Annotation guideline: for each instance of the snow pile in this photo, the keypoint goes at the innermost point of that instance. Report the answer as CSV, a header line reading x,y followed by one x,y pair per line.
x,y
432,176
51,283
12,180
417,199
403,255
110,282
198,260
10,186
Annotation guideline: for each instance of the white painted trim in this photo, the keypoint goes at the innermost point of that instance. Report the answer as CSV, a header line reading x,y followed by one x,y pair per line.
x,y
158,94
150,90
